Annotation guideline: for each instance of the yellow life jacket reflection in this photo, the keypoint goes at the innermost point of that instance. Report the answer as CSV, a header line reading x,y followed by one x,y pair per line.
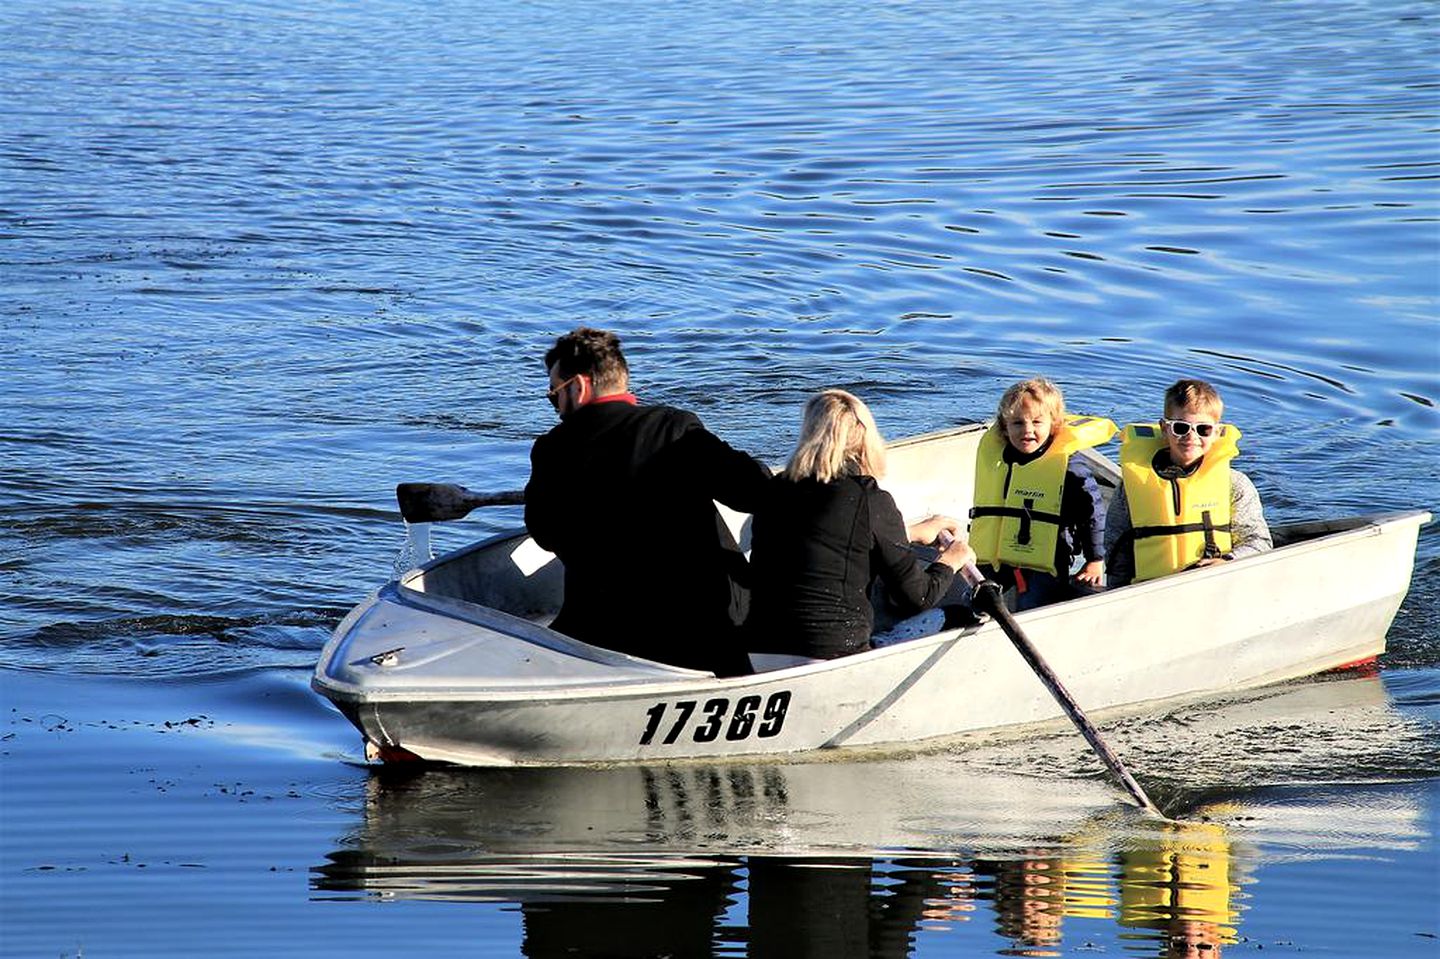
x,y
1180,884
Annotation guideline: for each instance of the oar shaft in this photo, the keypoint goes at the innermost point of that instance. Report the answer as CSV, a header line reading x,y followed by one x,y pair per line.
x,y
992,602
507,498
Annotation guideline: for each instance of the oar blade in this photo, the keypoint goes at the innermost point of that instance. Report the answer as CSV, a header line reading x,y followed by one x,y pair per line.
x,y
432,502
438,502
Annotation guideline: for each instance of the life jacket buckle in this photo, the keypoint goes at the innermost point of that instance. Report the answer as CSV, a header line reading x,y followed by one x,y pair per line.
x,y
1212,550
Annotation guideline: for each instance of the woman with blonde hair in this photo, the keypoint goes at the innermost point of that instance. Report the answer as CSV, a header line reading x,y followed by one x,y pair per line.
x,y
826,530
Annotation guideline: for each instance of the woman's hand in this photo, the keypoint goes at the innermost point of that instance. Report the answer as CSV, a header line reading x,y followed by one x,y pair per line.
x,y
956,554
927,531
1092,574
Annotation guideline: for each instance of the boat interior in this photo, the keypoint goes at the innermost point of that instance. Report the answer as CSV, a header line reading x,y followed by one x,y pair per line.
x,y
927,475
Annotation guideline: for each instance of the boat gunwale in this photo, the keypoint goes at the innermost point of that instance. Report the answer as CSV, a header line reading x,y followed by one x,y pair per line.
x,y
662,680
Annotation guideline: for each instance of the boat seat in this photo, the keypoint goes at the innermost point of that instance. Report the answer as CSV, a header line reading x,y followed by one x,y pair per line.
x,y
766,662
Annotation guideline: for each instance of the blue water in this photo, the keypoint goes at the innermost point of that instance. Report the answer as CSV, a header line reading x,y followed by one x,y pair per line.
x,y
261,262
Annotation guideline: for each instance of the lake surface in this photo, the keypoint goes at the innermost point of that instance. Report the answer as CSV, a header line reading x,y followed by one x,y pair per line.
x,y
261,262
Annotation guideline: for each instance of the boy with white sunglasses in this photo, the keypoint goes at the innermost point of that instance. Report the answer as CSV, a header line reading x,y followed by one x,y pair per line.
x,y
1180,505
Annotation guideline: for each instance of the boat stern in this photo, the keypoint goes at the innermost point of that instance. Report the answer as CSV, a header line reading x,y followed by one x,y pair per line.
x,y
401,664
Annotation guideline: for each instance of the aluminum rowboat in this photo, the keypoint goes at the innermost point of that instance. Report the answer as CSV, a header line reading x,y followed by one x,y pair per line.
x,y
453,662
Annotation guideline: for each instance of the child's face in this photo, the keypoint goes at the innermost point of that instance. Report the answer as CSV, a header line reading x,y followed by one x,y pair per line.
x,y
1028,426
1192,447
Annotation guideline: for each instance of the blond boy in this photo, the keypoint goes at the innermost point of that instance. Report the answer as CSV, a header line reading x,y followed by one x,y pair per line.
x,y
1180,505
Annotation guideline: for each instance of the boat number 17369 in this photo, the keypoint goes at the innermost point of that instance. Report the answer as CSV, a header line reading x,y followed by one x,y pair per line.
x,y
707,722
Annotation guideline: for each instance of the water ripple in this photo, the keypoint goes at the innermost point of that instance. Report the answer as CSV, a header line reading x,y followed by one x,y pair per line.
x,y
259,273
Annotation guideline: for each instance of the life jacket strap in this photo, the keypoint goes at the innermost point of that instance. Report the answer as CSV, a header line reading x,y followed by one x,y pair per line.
x,y
1025,514
1209,529
1211,549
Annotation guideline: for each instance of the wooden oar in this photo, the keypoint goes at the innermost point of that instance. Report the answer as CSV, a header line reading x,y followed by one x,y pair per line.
x,y
988,599
437,502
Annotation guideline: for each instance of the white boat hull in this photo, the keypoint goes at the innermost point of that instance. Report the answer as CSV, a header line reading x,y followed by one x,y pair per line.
x,y
424,674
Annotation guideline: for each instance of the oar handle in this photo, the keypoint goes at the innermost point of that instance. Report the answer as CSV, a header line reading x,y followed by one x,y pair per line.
x,y
972,575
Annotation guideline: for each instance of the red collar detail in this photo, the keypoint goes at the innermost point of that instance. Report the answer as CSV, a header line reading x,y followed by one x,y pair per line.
x,y
617,398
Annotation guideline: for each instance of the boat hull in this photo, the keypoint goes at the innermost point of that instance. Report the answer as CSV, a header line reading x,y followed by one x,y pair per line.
x,y
1211,631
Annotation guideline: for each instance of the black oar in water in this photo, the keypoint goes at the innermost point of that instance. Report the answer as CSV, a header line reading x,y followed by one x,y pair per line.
x,y
988,599
437,502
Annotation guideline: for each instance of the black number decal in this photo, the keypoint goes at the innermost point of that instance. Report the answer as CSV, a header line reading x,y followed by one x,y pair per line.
x,y
742,722
686,708
654,712
715,716
774,716
743,719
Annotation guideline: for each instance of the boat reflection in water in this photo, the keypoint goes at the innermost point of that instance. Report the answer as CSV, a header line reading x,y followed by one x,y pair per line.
x,y
992,843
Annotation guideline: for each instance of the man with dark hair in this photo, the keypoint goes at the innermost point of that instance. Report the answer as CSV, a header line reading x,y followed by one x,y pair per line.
x,y
624,495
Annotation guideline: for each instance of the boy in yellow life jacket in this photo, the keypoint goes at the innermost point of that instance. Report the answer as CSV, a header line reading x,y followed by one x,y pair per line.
x,y
1037,506
1180,505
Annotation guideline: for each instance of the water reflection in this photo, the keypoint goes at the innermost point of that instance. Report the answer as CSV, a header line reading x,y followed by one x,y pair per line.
x,y
1029,898
1181,885
461,836
671,913
856,858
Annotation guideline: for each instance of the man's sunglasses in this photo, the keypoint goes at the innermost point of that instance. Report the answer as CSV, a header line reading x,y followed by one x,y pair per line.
x,y
553,395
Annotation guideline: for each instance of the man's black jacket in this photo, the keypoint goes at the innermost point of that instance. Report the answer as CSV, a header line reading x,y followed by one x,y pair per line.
x,y
623,495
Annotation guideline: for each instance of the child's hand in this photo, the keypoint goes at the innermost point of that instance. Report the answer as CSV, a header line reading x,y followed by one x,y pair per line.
x,y
1092,574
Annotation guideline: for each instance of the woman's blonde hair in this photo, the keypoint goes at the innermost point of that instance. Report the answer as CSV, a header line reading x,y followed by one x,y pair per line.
x,y
1038,390
838,437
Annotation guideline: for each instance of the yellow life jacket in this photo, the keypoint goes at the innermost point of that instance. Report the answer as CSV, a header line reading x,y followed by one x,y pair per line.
x,y
1178,522
1016,516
